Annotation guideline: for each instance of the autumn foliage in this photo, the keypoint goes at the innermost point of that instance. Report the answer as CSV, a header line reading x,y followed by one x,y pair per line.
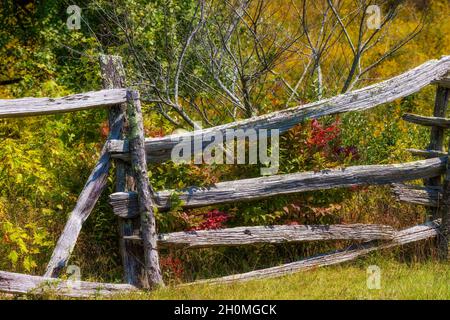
x,y
45,161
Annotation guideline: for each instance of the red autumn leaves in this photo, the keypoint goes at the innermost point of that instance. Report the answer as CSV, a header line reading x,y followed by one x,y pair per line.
x,y
327,138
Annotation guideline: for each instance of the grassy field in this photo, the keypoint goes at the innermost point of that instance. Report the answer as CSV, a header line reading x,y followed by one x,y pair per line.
x,y
426,280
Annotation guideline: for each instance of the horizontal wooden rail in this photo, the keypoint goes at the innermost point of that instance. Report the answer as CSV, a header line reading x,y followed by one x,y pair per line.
x,y
21,283
159,149
272,234
125,203
12,108
443,82
427,153
427,121
406,236
427,196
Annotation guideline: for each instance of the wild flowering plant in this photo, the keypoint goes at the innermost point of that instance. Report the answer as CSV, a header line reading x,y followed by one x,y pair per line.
x,y
172,267
321,135
327,139
213,219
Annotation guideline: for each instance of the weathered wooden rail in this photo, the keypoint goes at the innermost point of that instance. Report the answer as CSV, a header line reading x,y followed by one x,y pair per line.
x,y
272,234
125,204
134,200
429,196
24,107
22,283
417,233
159,149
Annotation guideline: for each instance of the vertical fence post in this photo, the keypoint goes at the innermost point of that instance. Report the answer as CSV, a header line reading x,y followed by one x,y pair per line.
x,y
437,142
444,209
443,236
113,76
139,166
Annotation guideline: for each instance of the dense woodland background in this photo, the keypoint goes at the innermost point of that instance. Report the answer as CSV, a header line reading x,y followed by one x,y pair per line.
x,y
211,62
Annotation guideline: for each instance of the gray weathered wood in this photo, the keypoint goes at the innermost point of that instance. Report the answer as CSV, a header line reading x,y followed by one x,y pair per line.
x,y
427,153
444,208
153,277
437,140
444,81
124,204
427,121
87,199
362,99
83,208
11,108
113,76
440,110
444,212
272,234
17,283
417,233
427,196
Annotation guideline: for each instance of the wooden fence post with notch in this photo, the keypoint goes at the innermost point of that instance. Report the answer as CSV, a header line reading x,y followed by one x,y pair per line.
x,y
444,209
437,142
443,212
113,76
149,236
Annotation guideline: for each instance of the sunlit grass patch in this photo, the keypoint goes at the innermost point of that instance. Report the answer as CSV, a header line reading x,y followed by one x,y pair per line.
x,y
426,280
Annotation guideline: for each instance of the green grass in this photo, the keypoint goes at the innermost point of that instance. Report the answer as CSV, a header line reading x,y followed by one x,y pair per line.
x,y
424,280
427,280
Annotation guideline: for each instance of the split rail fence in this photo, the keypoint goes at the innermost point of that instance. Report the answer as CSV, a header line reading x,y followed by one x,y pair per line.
x,y
134,200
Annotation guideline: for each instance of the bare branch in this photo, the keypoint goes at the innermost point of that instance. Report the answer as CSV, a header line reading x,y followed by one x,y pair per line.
x,y
186,45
